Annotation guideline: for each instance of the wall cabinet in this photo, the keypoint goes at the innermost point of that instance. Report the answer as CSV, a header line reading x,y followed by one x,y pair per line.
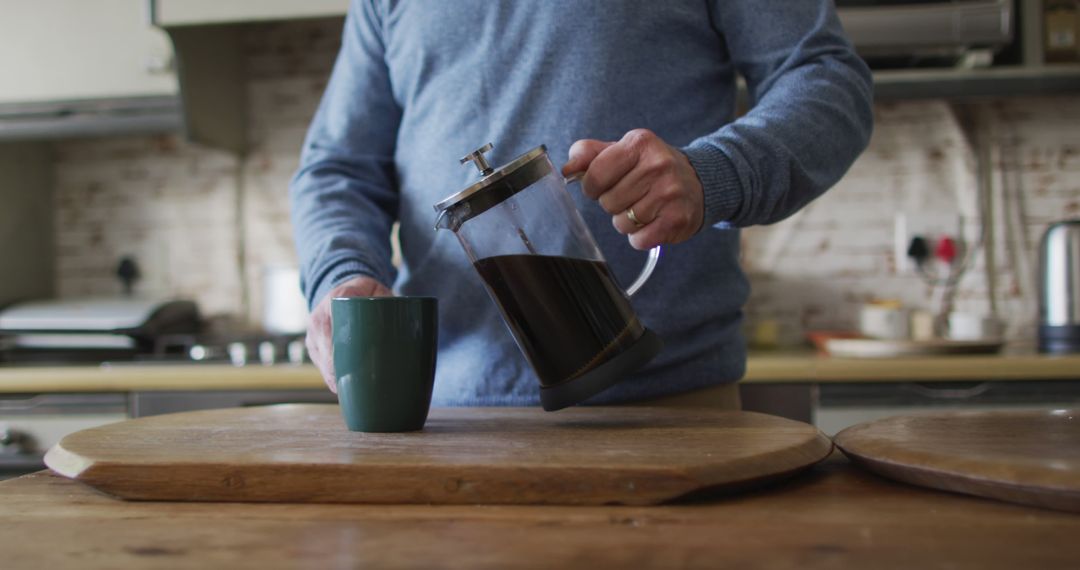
x,y
167,13
63,50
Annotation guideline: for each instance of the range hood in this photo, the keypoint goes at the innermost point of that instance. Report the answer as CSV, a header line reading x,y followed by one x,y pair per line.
x,y
88,118
121,75
207,39
71,68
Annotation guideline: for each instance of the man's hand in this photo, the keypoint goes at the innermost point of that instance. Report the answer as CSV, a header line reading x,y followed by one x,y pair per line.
x,y
641,177
320,337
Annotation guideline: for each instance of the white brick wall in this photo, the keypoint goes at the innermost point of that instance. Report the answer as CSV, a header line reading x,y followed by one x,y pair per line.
x,y
176,207
188,213
167,204
814,270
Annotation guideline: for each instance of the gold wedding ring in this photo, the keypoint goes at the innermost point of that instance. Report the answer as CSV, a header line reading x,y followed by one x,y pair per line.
x,y
633,219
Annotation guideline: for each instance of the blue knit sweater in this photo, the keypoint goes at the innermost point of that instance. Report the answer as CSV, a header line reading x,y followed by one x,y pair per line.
x,y
418,84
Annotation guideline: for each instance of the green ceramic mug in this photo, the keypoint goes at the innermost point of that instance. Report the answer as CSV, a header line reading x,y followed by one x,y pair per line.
x,y
384,360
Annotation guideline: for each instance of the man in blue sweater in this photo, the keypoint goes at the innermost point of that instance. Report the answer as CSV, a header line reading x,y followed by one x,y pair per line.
x,y
639,95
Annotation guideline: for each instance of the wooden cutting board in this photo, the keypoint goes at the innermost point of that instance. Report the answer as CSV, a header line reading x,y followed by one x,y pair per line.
x,y
303,453
1030,457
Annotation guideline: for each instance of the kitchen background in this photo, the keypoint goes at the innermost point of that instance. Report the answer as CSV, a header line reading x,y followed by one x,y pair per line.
x,y
990,163
205,224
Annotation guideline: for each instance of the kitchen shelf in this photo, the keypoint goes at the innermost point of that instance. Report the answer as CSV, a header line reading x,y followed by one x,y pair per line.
x,y
966,84
1006,81
88,118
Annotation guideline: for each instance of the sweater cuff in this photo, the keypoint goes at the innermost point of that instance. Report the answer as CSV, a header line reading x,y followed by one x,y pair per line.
x,y
719,180
338,273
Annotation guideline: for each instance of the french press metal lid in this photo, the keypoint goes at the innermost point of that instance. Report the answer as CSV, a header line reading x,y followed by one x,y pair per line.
x,y
497,185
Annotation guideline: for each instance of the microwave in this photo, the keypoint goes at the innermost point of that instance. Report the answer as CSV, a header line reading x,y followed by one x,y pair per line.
x,y
927,29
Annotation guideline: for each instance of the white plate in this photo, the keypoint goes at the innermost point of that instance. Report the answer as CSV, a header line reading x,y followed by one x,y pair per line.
x,y
874,348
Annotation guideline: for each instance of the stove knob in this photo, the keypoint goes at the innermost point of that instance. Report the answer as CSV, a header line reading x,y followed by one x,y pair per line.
x,y
297,352
201,352
267,353
13,441
238,353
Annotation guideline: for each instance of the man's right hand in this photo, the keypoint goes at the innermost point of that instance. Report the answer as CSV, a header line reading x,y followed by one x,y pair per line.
x,y
320,337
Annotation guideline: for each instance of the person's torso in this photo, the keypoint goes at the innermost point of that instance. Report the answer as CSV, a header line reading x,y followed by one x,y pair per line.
x,y
522,74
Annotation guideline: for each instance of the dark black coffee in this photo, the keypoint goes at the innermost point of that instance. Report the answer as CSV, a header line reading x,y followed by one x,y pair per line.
x,y
567,314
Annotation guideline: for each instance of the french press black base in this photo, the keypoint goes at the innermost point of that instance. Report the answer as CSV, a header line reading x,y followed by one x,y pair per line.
x,y
602,377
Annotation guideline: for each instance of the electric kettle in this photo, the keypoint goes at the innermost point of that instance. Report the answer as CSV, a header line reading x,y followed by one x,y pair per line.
x,y
1059,288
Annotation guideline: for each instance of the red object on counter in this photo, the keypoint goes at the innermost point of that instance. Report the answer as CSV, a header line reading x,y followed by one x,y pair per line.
x,y
946,249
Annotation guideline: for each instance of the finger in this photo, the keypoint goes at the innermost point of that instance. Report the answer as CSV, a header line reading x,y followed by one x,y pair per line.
x,y
319,358
582,154
328,363
327,339
650,235
642,193
618,160
319,343
627,192
610,166
672,222
645,211
368,288
624,225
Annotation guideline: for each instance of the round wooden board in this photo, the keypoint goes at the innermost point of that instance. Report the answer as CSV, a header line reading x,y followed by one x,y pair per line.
x,y
1030,457
303,453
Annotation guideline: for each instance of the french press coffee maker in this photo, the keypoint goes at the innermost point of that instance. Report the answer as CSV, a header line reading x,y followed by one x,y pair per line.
x,y
541,266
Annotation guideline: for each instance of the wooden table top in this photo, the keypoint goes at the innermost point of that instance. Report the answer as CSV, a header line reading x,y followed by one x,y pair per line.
x,y
762,368
835,516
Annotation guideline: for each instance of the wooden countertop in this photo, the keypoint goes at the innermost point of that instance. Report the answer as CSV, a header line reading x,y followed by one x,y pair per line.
x,y
808,367
834,516
780,367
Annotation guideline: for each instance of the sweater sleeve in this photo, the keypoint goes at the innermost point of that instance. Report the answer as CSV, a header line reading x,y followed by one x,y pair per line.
x,y
344,197
812,111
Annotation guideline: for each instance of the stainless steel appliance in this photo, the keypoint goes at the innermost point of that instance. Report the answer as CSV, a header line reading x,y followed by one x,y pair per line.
x,y
1059,288
32,423
927,28
114,333
104,329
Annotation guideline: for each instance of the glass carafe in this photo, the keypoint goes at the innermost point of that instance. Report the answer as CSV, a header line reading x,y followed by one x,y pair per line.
x,y
524,236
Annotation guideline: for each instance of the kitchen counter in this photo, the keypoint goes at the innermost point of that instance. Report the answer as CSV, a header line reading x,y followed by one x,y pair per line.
x,y
809,367
762,368
835,516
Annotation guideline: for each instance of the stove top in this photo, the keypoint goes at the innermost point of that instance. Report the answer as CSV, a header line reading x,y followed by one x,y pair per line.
x,y
238,350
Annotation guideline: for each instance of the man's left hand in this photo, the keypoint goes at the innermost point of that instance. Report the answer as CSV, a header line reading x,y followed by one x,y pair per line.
x,y
648,186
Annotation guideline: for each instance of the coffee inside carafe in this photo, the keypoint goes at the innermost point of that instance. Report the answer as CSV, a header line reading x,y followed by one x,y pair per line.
x,y
567,315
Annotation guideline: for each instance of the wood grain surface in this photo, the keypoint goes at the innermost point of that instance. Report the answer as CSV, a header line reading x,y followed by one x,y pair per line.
x,y
1030,457
831,517
303,453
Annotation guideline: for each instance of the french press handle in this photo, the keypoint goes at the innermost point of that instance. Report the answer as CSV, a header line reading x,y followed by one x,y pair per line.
x,y
650,261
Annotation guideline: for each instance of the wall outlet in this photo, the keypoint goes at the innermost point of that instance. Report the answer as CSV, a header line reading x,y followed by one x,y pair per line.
x,y
931,226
